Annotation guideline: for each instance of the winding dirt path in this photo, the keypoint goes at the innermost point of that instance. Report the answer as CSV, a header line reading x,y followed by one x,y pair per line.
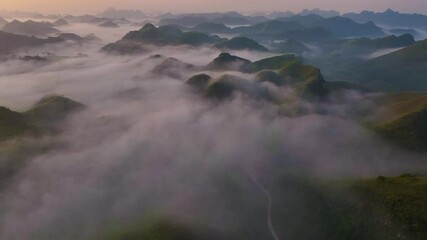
x,y
269,209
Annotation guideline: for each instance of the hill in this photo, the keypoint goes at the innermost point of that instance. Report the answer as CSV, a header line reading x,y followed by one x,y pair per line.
x,y
228,62
271,63
14,124
409,131
52,109
30,28
401,31
70,37
173,67
168,35
200,81
305,20
391,41
308,80
10,42
211,28
401,200
351,50
134,41
241,43
311,35
403,70
345,27
268,27
399,118
60,23
383,208
282,71
108,24
47,112
227,85
159,229
291,46
340,27
125,48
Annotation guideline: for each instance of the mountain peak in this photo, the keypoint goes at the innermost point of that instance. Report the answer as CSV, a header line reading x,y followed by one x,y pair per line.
x,y
148,27
389,10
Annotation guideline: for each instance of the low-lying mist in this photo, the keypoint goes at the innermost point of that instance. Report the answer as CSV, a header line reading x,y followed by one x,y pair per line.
x,y
149,144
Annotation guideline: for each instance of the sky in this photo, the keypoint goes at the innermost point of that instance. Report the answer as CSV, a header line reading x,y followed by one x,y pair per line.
x,y
95,6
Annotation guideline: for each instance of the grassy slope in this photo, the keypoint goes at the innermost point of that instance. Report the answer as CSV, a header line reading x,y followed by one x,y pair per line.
x,y
272,63
403,70
241,43
398,105
308,79
151,230
48,110
51,109
20,132
410,131
402,119
14,124
369,209
307,209
15,147
403,199
377,209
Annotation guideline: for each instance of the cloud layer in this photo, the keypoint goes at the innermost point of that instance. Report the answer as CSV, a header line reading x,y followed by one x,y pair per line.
x,y
148,143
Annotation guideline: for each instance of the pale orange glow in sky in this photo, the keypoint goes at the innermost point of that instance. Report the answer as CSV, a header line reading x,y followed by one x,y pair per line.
x,y
94,6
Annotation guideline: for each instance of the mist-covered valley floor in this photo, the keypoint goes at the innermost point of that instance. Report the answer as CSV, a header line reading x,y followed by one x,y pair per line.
x,y
124,147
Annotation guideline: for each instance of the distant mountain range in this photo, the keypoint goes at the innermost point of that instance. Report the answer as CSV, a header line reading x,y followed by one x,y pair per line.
x,y
345,27
391,18
122,13
10,42
173,35
322,13
229,18
30,28
303,28
85,19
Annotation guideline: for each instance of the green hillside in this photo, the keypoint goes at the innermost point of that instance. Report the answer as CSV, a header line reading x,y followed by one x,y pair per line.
x,y
272,63
291,46
308,79
155,229
402,199
409,131
403,70
14,124
228,62
383,208
52,109
241,43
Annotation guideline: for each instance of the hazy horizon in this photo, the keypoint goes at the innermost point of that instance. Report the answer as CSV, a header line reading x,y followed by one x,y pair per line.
x,y
183,6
